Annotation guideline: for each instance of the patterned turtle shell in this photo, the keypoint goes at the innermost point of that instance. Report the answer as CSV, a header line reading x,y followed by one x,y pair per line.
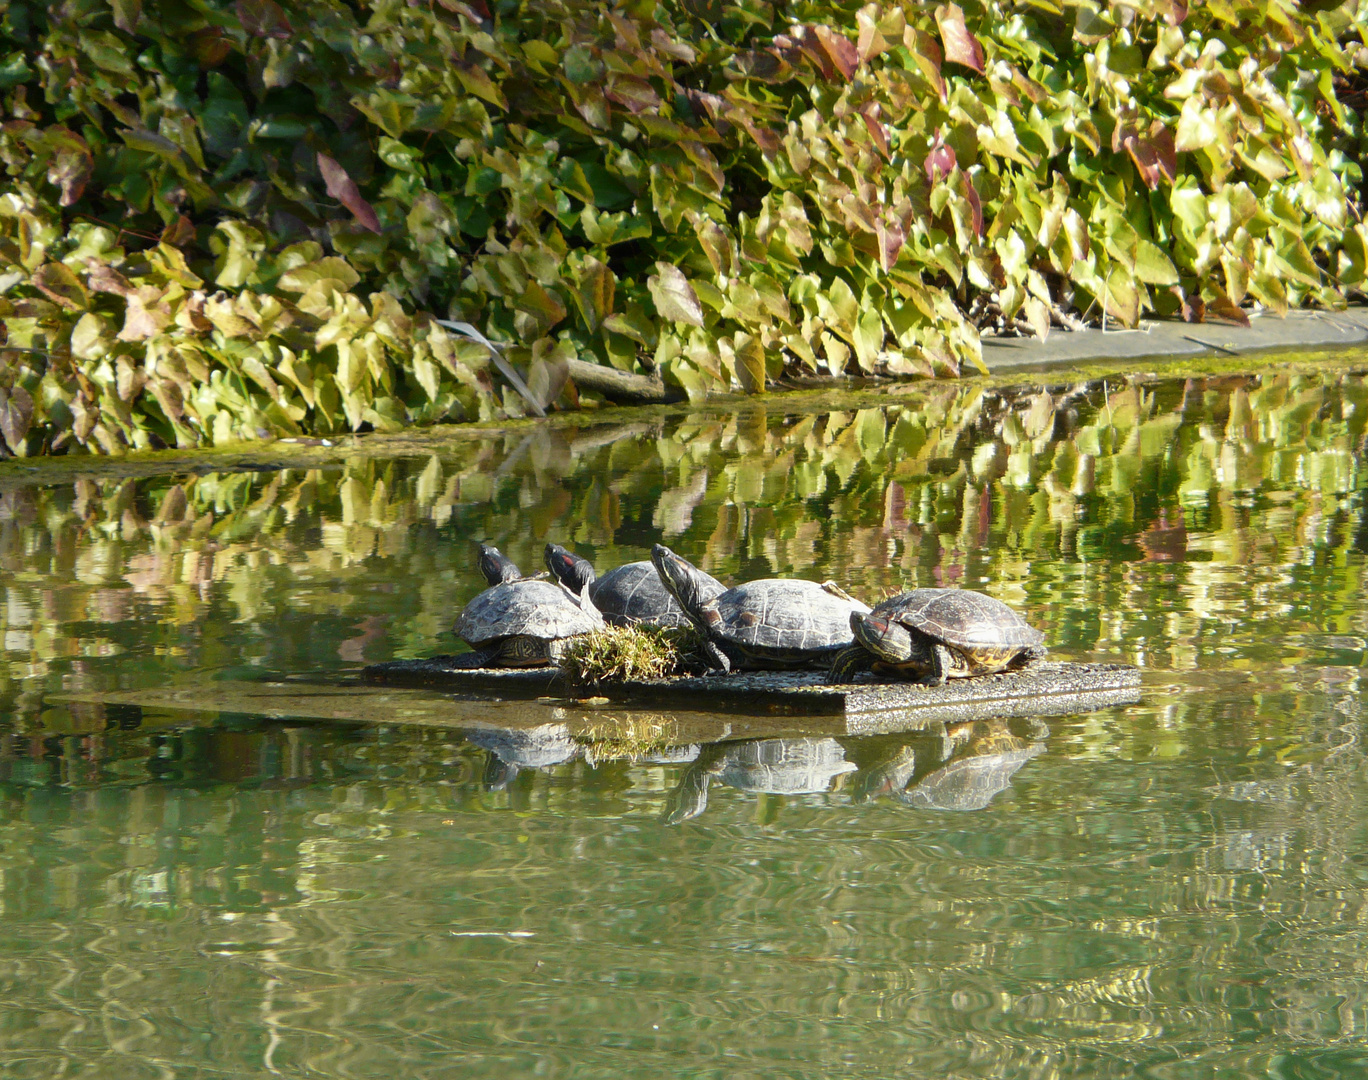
x,y
633,593
783,766
986,631
537,609
782,618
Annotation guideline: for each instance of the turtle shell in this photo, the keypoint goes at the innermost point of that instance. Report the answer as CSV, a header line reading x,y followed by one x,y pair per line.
x,y
634,593
981,627
782,618
784,766
539,609
969,783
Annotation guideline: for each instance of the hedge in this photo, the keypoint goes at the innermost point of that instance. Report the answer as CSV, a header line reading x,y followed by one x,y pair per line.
x,y
224,221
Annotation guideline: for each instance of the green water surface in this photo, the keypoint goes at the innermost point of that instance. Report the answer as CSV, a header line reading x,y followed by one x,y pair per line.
x,y
1176,888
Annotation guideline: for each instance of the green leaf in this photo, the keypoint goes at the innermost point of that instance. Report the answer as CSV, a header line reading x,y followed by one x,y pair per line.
x,y
477,81
750,362
674,296
55,281
14,70
869,338
581,64
16,415
1152,266
595,291
1121,299
332,268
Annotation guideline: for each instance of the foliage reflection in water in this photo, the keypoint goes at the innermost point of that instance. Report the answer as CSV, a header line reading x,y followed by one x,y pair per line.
x,y
1176,887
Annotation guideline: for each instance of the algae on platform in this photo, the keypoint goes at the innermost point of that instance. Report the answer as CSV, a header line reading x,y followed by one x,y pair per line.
x,y
631,653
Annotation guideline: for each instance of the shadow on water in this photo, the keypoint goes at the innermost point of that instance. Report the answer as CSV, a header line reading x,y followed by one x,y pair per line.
x,y
1175,887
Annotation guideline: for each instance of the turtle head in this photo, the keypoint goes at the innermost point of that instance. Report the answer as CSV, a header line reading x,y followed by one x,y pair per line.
x,y
497,568
570,570
682,580
886,638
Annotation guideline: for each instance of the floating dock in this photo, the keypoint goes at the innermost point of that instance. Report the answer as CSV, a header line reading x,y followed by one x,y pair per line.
x,y
1039,688
441,693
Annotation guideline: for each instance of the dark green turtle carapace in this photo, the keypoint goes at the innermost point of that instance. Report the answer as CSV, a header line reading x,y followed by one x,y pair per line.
x,y
930,635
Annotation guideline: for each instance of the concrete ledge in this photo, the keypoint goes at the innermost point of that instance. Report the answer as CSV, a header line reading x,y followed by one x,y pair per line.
x,y
1041,688
1300,330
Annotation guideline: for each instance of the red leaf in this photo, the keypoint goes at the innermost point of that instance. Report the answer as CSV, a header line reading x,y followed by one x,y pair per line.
x,y
1154,156
210,47
1176,13
768,66
820,58
876,130
891,239
960,45
179,233
103,278
1193,307
474,10
843,54
940,162
343,188
976,204
767,140
264,19
1222,307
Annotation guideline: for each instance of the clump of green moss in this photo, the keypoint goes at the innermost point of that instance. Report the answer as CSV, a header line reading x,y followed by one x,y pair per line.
x,y
628,738
622,653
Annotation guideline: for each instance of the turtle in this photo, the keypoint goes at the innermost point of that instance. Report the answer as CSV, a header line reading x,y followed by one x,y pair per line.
x,y
497,568
768,766
983,756
769,623
931,635
961,769
525,623
512,750
969,782
627,595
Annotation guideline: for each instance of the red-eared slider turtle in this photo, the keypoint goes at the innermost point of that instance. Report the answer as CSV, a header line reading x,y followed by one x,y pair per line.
x,y
525,623
626,595
930,635
497,568
513,749
766,766
770,623
976,761
969,782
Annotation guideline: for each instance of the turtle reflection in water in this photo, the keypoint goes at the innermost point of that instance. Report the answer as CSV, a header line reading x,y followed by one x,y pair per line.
x,y
511,750
765,766
957,768
930,635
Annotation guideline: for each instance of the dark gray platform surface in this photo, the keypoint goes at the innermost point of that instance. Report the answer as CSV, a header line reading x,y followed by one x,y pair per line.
x,y
1042,684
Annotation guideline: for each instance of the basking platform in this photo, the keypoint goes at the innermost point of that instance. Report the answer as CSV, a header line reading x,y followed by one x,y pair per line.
x,y
441,695
1040,688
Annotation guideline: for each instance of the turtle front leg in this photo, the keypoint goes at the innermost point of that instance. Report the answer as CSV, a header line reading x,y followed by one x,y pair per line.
x,y
719,662
848,663
942,663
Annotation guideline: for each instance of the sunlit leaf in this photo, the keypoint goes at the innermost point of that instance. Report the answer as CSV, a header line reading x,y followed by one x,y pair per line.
x,y
961,47
674,297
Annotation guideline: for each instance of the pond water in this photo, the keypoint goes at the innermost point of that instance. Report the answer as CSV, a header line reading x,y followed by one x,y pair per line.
x,y
1174,888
